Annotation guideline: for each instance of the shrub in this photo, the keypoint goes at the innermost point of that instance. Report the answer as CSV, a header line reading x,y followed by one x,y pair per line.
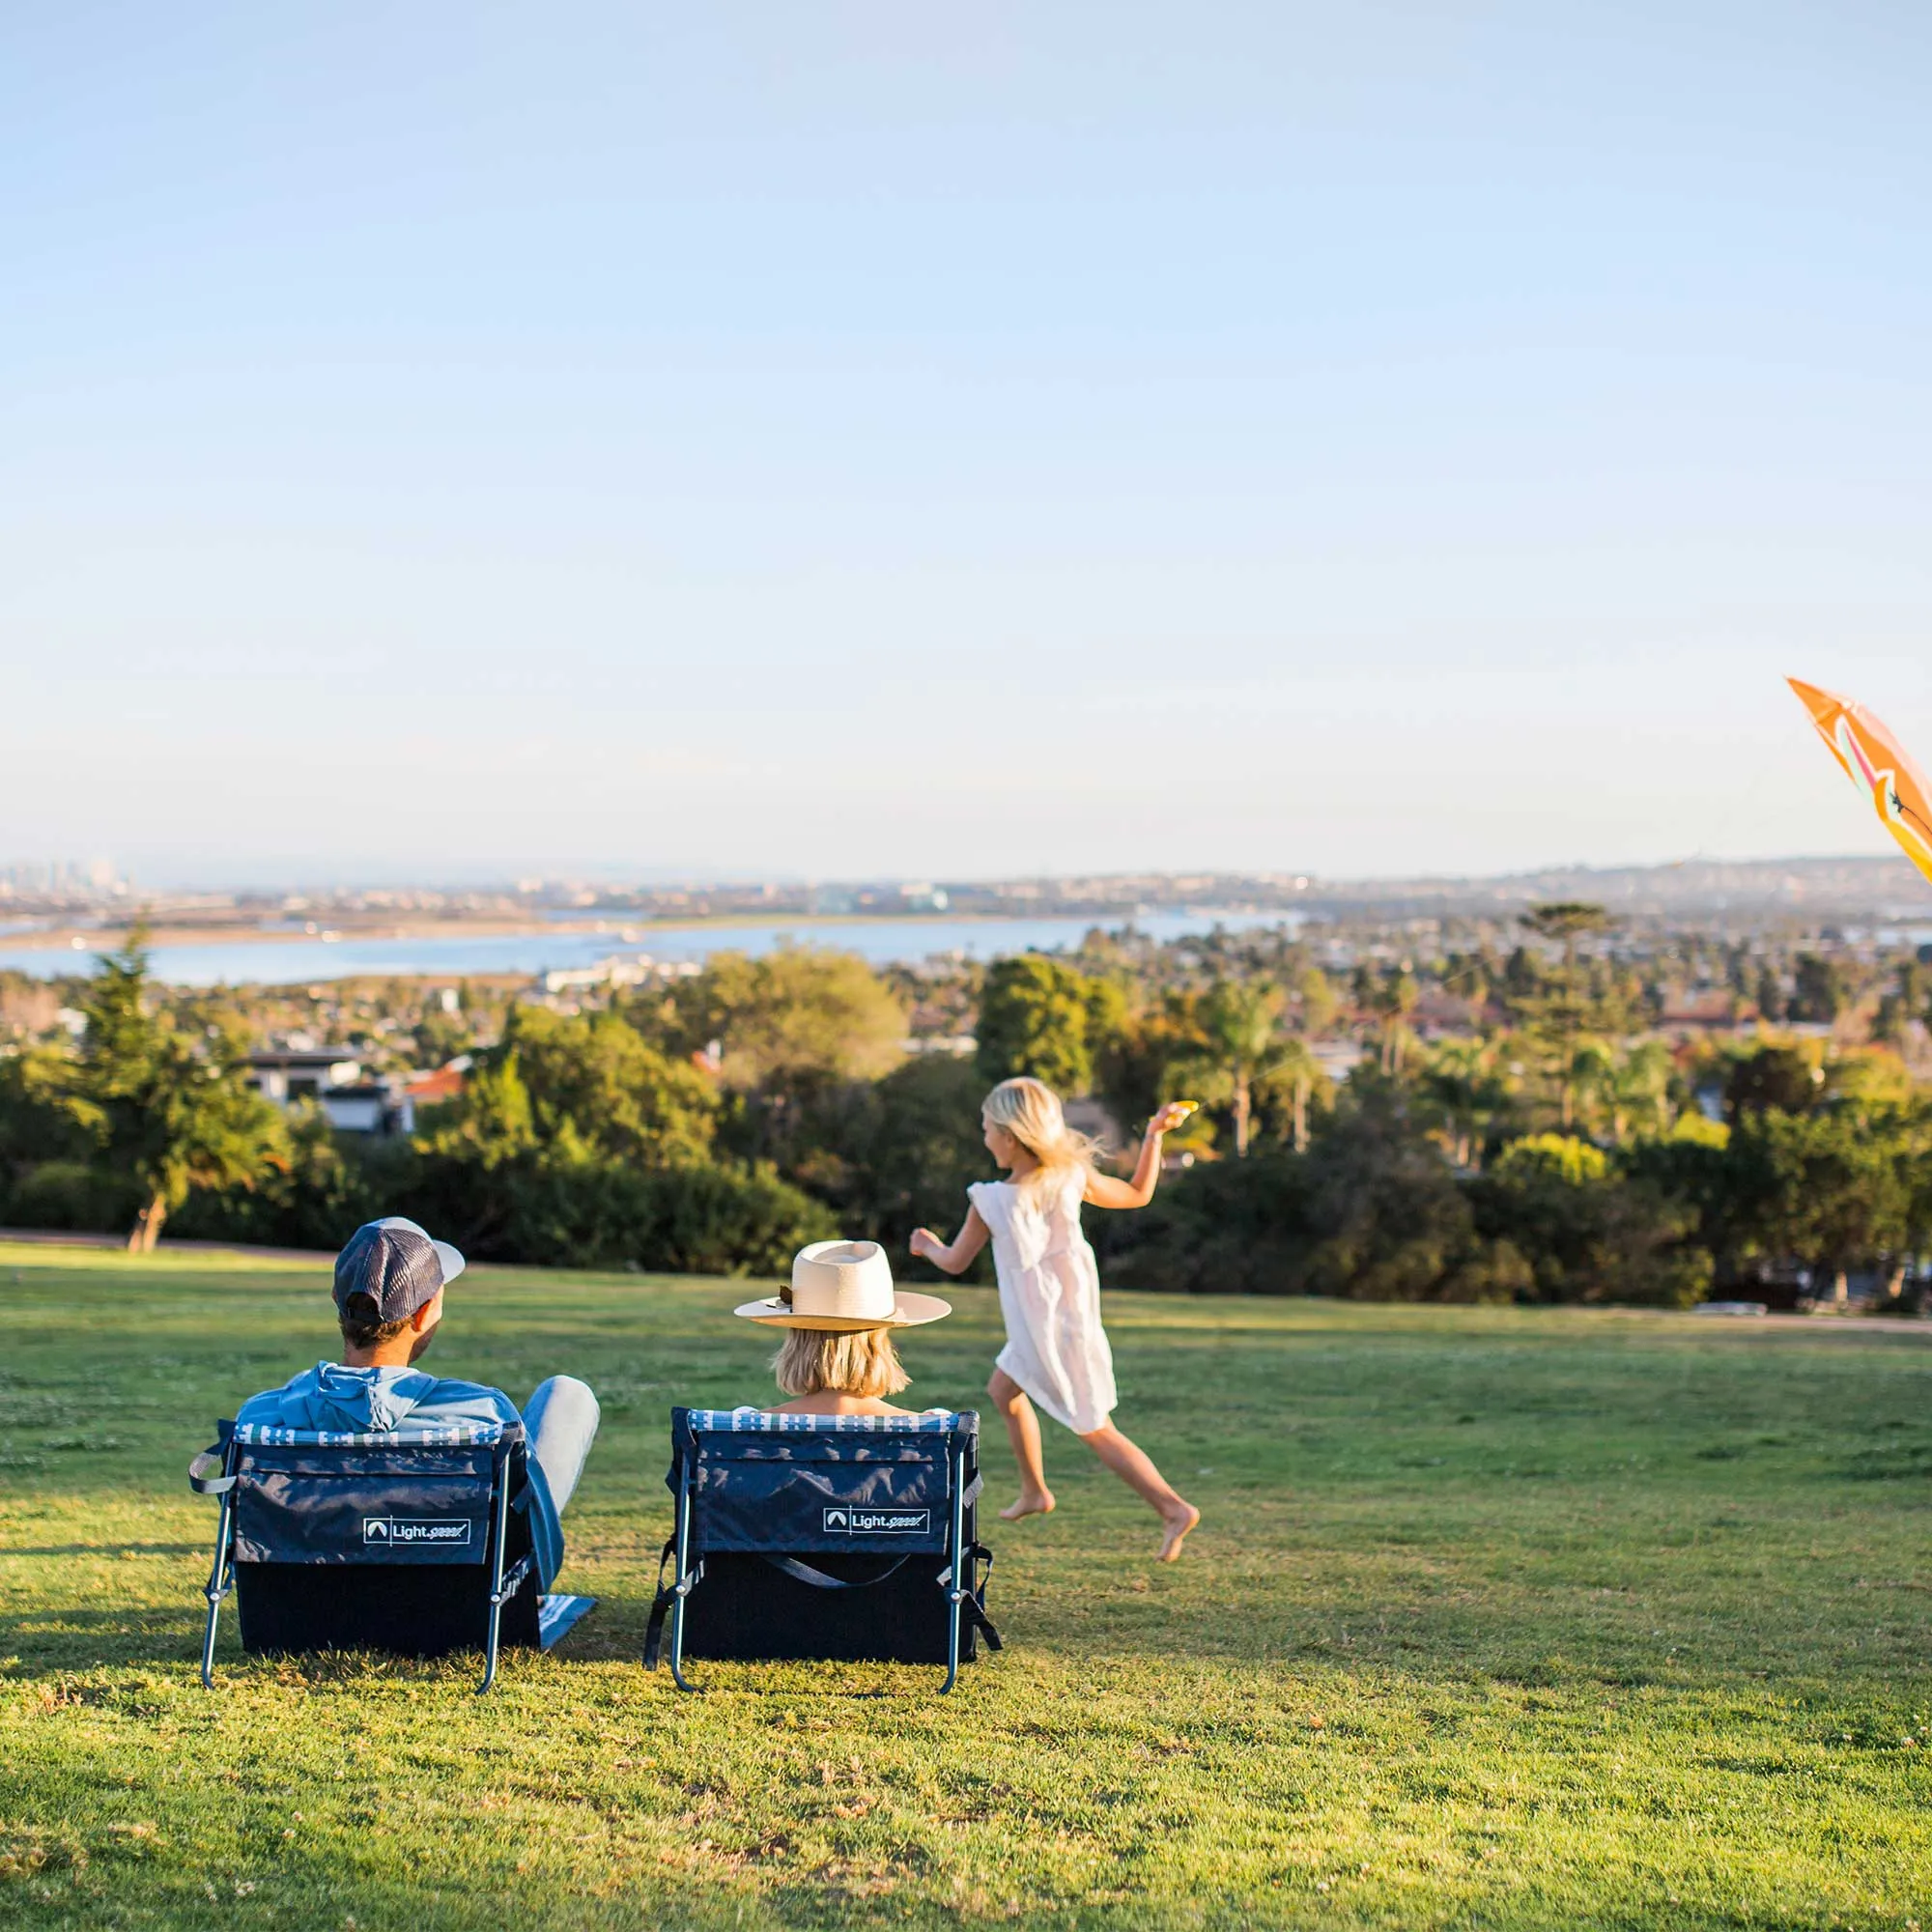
x,y
1586,1232
70,1194
703,1219
1372,1213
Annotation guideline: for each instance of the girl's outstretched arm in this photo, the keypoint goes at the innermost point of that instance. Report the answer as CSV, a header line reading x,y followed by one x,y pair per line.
x,y
956,1259
1103,1190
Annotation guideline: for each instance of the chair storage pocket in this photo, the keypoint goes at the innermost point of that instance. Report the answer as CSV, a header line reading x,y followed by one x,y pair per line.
x,y
289,1513
822,1503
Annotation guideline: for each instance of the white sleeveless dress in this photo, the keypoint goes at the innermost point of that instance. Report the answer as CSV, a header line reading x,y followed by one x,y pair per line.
x,y
1050,1295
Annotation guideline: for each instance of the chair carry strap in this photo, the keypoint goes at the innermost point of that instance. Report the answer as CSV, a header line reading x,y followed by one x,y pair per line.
x,y
819,1580
972,1613
972,1600
513,1581
203,1475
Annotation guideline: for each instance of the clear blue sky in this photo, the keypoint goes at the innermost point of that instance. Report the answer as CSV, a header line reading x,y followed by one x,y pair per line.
x,y
876,439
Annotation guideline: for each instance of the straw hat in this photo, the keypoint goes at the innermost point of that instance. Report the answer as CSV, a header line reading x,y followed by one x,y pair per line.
x,y
842,1286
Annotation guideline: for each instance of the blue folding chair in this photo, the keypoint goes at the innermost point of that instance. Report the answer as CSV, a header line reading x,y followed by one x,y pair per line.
x,y
415,1540
840,1537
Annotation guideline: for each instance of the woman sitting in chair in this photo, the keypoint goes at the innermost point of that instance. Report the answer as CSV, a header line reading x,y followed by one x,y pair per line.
x,y
841,1309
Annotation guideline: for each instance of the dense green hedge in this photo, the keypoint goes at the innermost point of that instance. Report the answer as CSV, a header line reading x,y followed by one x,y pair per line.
x,y
710,1218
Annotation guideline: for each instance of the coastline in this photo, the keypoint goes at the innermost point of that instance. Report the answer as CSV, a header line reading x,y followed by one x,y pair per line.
x,y
84,940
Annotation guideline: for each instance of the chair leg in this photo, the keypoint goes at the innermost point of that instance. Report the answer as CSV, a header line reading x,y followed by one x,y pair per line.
x,y
497,1582
677,1675
959,1577
682,1582
217,1589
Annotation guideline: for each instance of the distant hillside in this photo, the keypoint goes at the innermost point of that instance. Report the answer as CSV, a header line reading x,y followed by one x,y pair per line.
x,y
1884,888
1856,889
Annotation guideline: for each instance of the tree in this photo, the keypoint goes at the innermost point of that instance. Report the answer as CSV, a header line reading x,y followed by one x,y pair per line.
x,y
1559,1009
596,1084
1386,1219
797,1017
1239,1028
1396,999
169,1109
1780,1078
1041,1017
491,1122
1818,992
1904,1002
1313,1002
1301,1076
1565,920
1155,1053
1638,1090
1466,1081
894,1155
1589,1232
1829,1190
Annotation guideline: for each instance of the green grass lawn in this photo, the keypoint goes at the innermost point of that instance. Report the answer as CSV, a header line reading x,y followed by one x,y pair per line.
x,y
1494,1619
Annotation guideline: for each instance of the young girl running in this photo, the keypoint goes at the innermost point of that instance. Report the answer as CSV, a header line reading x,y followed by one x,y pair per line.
x,y
1056,1350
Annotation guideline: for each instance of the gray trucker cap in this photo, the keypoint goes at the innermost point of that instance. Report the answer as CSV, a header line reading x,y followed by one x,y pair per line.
x,y
396,1264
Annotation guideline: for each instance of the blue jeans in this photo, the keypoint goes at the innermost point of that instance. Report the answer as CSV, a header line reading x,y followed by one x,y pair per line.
x,y
560,1420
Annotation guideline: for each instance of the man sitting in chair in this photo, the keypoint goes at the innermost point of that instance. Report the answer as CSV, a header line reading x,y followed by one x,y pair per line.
x,y
389,1282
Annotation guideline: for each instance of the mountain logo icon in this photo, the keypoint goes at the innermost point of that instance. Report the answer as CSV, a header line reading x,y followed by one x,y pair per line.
x,y
406,1531
835,1519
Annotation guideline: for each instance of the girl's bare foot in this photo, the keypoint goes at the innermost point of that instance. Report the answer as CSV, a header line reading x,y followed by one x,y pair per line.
x,y
1179,1523
1035,1502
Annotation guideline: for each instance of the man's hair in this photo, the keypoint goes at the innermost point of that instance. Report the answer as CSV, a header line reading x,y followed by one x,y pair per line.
x,y
363,1323
860,1361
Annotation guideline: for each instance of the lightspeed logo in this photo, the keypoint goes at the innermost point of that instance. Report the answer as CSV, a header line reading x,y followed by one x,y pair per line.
x,y
877,1523
396,1530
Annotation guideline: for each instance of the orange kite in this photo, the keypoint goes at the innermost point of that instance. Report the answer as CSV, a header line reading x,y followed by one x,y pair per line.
x,y
1879,765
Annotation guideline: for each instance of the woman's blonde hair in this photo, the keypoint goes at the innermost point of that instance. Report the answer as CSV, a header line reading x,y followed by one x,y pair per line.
x,y
1030,1112
857,1361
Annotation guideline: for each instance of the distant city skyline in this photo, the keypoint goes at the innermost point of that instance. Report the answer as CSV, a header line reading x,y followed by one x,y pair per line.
x,y
102,883
855,442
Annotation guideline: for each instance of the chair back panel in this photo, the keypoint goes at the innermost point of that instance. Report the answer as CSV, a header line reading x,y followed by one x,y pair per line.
x,y
886,1491
313,1505
812,1502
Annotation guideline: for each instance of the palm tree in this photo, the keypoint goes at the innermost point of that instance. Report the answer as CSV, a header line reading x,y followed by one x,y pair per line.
x,y
1240,1025
1465,1078
1639,1091
1396,999
1296,1069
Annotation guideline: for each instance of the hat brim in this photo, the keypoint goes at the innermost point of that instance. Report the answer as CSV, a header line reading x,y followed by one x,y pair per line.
x,y
909,1311
448,1258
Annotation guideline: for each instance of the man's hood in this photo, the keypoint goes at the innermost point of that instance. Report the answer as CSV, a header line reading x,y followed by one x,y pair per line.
x,y
352,1400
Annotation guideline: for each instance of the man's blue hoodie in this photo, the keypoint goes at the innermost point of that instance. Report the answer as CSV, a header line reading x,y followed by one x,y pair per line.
x,y
335,1398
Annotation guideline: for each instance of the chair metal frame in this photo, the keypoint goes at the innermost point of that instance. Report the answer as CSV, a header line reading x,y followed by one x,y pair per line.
x,y
221,1577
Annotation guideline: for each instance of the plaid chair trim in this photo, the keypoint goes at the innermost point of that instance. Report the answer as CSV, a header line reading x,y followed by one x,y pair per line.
x,y
758,1422
442,1435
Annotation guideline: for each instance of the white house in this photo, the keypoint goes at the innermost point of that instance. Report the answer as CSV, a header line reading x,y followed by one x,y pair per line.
x,y
334,1078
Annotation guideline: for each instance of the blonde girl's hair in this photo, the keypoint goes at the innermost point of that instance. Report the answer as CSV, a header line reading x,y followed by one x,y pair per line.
x,y
1030,1112
857,1361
